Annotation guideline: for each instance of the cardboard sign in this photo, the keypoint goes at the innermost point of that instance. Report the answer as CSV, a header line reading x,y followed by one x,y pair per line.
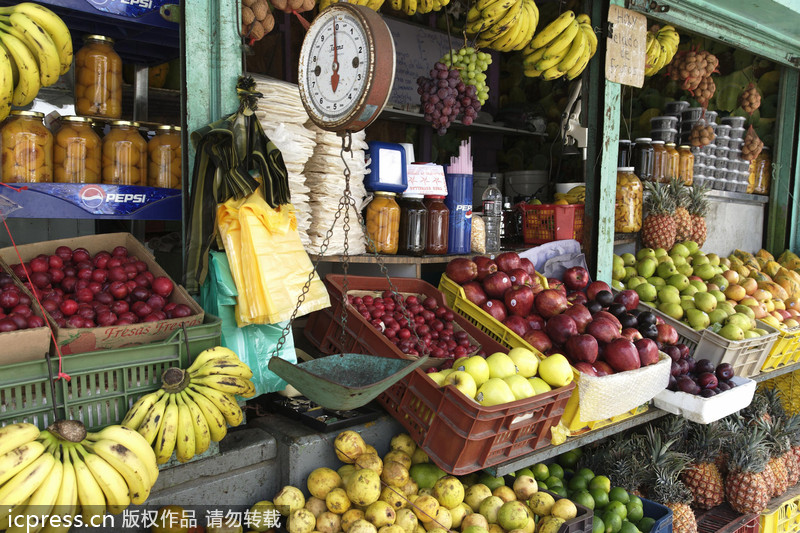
x,y
427,180
625,46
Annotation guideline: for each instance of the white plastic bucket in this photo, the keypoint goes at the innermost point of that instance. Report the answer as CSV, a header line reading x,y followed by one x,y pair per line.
x,y
524,182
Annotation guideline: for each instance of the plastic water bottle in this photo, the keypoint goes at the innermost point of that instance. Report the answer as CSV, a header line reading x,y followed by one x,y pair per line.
x,y
492,215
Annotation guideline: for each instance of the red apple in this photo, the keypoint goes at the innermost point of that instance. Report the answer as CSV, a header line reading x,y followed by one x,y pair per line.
x,y
582,348
632,334
517,324
539,340
622,355
603,330
461,270
520,276
550,303
475,293
585,368
508,261
558,285
608,316
495,285
535,321
560,328
519,300
629,298
576,278
602,368
667,334
580,314
527,264
596,286
648,351
496,309
577,297
485,266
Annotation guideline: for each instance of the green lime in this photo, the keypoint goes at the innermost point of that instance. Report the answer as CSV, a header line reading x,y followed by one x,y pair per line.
x,y
612,521
578,483
523,472
540,471
582,497
597,525
569,459
561,491
491,481
646,524
635,512
635,499
556,470
542,485
553,481
628,527
600,482
585,472
619,494
617,507
600,498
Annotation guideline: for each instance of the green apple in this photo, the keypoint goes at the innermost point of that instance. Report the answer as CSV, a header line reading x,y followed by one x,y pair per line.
x,y
719,295
617,284
618,273
669,294
617,261
699,284
539,385
647,292
691,290
698,320
666,269
745,310
732,332
629,273
704,272
629,259
699,258
476,366
520,386
713,259
660,252
685,269
717,316
656,281
646,267
500,365
740,320
691,246
645,252
671,309
725,306
720,281
705,301
677,260
526,361
463,382
634,281
679,281
679,249
494,392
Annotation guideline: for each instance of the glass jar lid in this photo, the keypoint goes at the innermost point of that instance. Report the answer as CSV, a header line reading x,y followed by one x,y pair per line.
x,y
167,127
435,196
644,140
657,142
99,38
75,118
125,123
670,144
18,113
383,193
686,146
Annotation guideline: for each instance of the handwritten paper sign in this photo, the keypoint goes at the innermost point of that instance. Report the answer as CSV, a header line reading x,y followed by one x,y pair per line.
x,y
426,179
625,46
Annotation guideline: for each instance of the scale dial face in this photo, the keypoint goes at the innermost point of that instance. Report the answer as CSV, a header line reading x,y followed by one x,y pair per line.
x,y
346,68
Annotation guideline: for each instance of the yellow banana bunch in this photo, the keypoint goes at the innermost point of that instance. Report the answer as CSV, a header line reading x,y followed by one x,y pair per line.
x,y
660,48
193,407
412,7
503,25
36,50
562,48
63,467
374,5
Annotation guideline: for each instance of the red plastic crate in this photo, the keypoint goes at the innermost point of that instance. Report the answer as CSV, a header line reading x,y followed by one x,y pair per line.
x,y
550,222
723,519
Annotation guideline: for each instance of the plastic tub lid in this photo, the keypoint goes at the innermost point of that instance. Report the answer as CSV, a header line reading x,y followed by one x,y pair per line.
x,y
659,130
669,118
625,169
657,142
644,140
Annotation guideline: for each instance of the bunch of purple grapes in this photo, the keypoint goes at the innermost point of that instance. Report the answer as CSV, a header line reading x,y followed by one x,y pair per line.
x,y
444,96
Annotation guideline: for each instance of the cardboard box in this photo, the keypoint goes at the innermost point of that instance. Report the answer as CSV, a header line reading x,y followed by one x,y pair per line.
x,y
26,344
72,340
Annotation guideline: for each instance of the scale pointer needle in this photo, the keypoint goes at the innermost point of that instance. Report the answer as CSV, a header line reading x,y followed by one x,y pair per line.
x,y
335,67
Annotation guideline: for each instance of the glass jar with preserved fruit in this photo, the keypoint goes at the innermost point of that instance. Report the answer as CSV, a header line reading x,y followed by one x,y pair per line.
x,y
659,162
77,152
413,225
438,225
124,155
672,161
383,223
164,158
98,78
686,164
762,172
628,213
643,158
27,149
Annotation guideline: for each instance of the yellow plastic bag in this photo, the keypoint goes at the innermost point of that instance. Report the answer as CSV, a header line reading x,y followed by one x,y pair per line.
x,y
267,260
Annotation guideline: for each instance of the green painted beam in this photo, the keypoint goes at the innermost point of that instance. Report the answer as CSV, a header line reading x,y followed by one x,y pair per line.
x,y
794,226
780,205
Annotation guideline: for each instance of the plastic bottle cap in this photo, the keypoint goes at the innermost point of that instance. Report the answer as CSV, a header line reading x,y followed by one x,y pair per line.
x,y
625,169
492,180
435,196
413,196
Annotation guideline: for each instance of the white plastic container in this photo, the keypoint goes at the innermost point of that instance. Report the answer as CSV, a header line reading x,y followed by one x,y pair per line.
x,y
524,182
706,410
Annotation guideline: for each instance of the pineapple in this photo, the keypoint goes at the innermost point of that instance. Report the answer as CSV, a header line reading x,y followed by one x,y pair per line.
x,y
778,446
682,218
702,476
792,459
658,227
745,486
698,208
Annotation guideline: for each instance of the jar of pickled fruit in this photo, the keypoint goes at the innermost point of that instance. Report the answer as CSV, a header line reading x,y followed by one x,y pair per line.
x,y
124,155
98,78
686,164
164,158
413,225
762,171
672,161
642,158
27,148
77,152
660,162
438,225
628,212
383,223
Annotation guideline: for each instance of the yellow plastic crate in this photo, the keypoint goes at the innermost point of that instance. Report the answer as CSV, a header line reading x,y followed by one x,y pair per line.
x,y
784,517
457,300
786,349
789,387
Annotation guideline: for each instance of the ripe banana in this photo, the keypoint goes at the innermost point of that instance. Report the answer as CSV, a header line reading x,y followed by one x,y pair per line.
x,y
575,52
140,408
223,366
591,36
534,57
202,434
228,384
22,486
562,43
583,18
67,500
185,445
90,495
153,420
526,34
28,67
13,436
167,433
133,440
108,479
217,426
497,14
52,24
6,83
19,458
409,7
42,45
43,499
225,403
553,30
552,73
576,70
209,354
545,64
132,469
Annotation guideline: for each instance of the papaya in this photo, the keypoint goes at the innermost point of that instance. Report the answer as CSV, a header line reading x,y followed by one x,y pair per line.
x,y
792,303
735,262
761,262
758,275
786,255
744,256
789,285
771,268
765,255
775,289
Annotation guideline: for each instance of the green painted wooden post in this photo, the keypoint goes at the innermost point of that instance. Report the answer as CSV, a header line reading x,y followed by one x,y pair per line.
x,y
780,205
794,222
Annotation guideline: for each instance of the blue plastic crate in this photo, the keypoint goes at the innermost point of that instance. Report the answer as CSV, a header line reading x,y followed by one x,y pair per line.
x,y
662,515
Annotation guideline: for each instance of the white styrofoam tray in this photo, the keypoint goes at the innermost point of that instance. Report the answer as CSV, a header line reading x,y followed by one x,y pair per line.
x,y
707,410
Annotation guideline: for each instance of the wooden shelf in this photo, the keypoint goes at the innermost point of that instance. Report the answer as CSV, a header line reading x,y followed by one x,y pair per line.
x,y
412,117
390,259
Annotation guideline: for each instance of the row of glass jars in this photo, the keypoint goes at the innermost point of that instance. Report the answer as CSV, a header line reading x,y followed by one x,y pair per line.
x,y
412,227
76,153
658,161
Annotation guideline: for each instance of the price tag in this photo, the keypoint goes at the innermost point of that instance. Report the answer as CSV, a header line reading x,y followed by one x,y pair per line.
x,y
427,180
625,46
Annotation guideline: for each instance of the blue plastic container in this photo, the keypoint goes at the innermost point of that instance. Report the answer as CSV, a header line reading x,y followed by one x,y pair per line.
x,y
459,202
660,513
387,167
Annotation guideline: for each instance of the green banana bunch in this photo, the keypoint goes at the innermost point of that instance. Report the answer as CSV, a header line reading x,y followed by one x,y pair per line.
x,y
63,468
36,50
563,48
194,406
660,48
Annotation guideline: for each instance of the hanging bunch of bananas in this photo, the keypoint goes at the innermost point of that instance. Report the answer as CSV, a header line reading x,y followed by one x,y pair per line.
x,y
65,471
662,43
412,7
193,406
374,5
35,49
502,25
563,48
